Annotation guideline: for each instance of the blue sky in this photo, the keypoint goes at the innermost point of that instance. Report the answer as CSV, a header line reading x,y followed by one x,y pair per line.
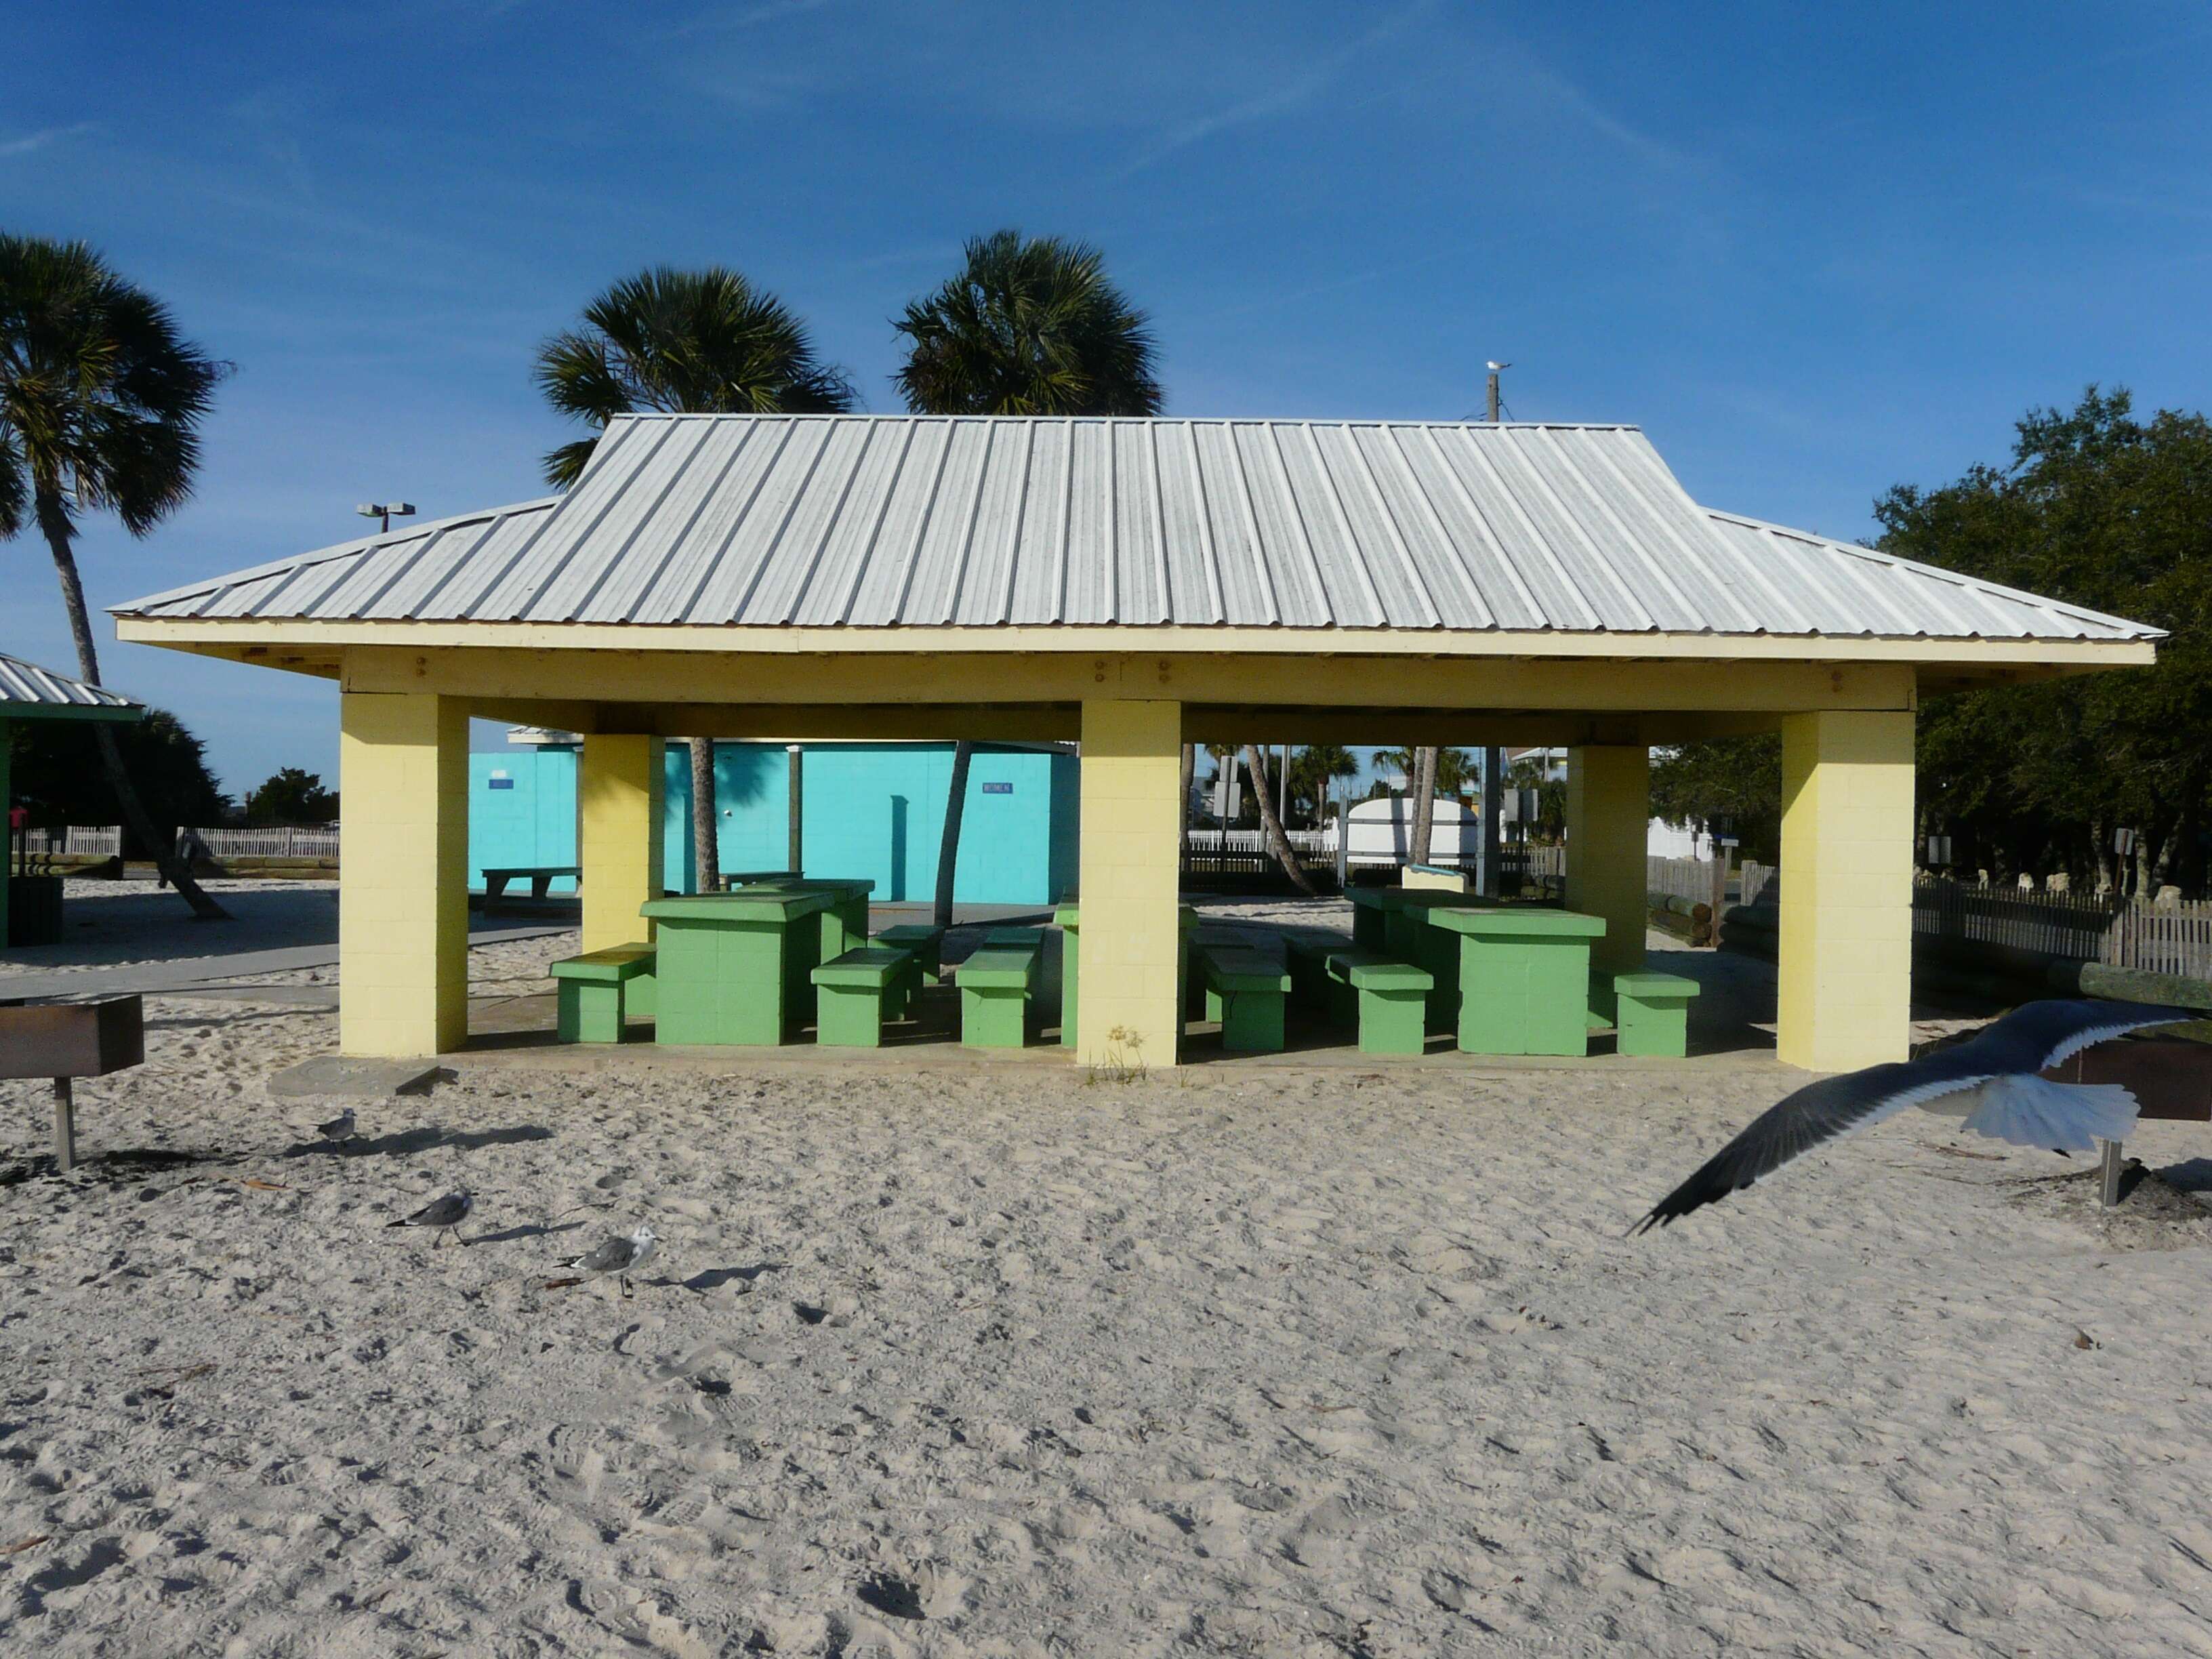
x,y
1813,251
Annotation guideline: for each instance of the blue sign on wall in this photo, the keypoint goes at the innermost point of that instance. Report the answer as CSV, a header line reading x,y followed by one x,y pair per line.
x,y
998,788
499,783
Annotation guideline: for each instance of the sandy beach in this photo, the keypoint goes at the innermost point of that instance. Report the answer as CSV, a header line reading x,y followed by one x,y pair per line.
x,y
1008,1361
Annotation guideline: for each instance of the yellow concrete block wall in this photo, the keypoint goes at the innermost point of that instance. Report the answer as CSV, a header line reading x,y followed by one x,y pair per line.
x,y
618,840
1609,816
1132,824
402,883
1844,991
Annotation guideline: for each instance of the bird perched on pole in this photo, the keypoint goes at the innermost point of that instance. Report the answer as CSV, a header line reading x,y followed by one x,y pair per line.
x,y
1992,1080
442,1215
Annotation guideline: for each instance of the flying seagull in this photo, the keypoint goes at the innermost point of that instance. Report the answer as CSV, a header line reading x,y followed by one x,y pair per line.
x,y
443,1215
340,1129
1992,1081
618,1257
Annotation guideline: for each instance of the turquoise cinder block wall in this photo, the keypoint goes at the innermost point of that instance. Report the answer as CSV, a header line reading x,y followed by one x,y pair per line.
x,y
522,812
877,812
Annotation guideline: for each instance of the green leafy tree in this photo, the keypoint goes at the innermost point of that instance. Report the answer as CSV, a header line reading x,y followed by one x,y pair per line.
x,y
2113,512
2096,507
701,341
57,773
1027,326
101,398
292,797
1727,786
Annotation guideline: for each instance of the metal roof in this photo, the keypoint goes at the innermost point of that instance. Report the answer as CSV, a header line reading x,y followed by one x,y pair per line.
x,y
28,691
874,521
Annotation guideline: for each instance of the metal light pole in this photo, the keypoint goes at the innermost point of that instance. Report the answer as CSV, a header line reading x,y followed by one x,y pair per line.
x,y
385,512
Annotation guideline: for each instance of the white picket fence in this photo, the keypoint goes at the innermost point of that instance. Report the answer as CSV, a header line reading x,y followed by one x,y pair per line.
x,y
1246,844
1682,878
78,841
278,842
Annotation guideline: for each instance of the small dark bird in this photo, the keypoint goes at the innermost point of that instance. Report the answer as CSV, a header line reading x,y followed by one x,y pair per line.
x,y
1992,1081
615,1257
443,1215
339,1130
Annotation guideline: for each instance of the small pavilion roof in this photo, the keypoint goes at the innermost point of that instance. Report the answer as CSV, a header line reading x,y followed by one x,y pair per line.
x,y
30,692
903,521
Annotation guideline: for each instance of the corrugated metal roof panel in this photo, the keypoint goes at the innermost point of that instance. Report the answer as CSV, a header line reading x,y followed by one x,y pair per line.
x,y
881,521
25,686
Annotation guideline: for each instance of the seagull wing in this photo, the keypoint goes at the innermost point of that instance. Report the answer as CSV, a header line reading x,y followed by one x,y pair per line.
x,y
2037,1036
1818,1112
441,1212
2002,1061
610,1256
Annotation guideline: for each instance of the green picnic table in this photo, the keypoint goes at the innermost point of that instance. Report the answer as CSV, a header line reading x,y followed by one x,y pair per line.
x,y
737,968
1524,976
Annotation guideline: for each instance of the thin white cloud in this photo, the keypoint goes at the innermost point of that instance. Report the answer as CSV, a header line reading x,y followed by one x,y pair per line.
x,y
1292,93
745,17
31,142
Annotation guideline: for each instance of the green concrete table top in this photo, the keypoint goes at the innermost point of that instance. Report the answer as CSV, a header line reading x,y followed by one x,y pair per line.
x,y
746,904
1515,922
1654,986
869,964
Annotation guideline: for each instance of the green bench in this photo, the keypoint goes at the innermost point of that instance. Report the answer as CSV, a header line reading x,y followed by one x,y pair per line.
x,y
1651,1012
855,993
925,945
1244,990
1392,1000
593,992
995,983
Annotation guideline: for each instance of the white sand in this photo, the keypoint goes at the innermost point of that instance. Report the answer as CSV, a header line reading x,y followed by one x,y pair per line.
x,y
940,1362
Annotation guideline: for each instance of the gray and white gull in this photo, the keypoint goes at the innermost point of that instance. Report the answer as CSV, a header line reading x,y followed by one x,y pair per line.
x,y
442,1215
617,1257
1992,1081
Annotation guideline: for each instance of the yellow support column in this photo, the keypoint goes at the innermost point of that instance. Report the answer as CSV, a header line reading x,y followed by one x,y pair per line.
x,y
404,880
1131,936
1845,986
619,839
1608,808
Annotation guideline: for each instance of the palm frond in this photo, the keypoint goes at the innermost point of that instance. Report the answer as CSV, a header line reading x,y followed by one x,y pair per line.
x,y
1028,326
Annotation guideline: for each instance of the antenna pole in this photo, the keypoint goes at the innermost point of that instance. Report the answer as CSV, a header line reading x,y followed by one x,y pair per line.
x,y
1494,396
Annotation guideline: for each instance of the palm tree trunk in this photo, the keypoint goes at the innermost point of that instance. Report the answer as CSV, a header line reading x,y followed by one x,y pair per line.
x,y
54,520
1424,803
1278,842
706,828
1182,816
948,850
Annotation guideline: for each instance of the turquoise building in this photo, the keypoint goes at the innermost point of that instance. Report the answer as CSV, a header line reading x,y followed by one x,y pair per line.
x,y
870,810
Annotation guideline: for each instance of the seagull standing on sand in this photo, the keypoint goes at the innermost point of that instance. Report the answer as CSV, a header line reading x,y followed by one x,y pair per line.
x,y
339,1130
618,1257
1992,1081
444,1215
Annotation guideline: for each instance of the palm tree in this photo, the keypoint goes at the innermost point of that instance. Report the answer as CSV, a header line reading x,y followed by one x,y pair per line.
x,y
701,341
101,402
1278,842
1027,326
1315,767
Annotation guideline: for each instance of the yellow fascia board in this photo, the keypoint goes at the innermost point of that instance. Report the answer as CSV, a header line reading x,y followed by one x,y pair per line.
x,y
275,633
